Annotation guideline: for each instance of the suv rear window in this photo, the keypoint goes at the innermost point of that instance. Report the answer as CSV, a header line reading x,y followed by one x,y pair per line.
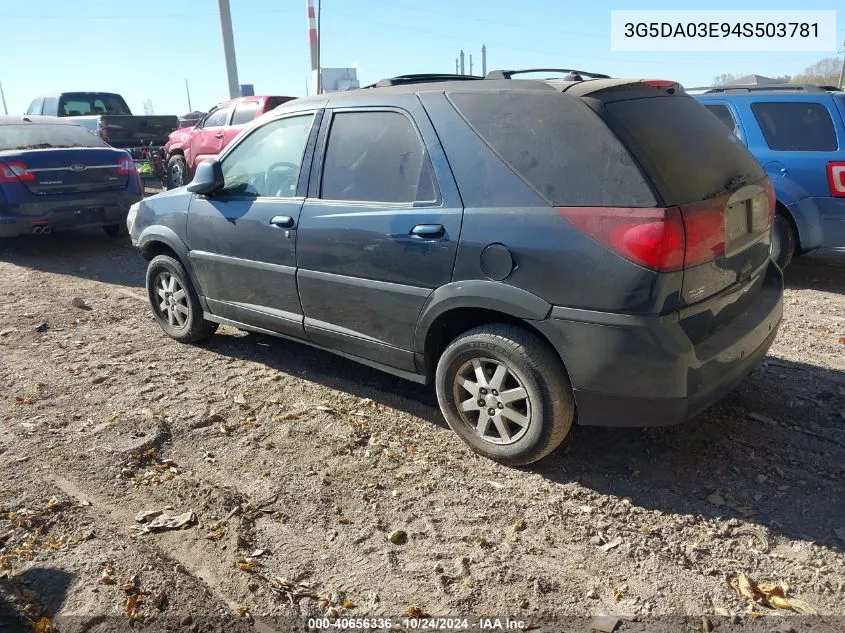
x,y
46,136
796,127
558,146
683,149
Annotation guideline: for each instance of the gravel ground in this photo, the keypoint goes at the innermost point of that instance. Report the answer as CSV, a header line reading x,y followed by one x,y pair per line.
x,y
310,486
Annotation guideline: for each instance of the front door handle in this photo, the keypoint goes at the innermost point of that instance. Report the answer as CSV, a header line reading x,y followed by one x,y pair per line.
x,y
218,135
428,231
282,222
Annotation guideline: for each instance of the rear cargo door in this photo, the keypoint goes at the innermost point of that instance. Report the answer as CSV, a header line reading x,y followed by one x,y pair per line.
x,y
139,131
715,181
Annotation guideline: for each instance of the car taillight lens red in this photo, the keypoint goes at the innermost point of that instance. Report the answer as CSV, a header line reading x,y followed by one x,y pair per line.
x,y
653,238
659,83
836,178
704,225
126,166
15,172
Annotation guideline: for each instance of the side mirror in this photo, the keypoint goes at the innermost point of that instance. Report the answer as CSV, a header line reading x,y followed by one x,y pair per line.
x,y
207,179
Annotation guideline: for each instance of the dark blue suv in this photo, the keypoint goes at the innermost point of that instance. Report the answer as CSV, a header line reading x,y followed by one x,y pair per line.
x,y
797,134
542,252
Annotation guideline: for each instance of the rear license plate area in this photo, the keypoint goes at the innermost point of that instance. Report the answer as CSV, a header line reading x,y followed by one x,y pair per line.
x,y
80,216
737,222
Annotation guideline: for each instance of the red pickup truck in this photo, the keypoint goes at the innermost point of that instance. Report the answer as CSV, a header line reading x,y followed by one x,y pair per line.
x,y
186,147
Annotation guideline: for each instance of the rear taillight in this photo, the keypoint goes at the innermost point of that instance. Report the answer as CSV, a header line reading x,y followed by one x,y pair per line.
x,y
653,238
704,226
15,172
836,179
126,166
771,199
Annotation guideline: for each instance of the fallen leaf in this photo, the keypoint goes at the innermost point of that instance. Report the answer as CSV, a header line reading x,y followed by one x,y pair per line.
x,y
348,604
748,589
802,607
617,593
780,602
722,611
44,625
842,340
24,400
216,535
246,565
224,429
132,603
519,525
53,504
772,590
326,409
241,611
414,611
175,522
240,399
345,521
290,415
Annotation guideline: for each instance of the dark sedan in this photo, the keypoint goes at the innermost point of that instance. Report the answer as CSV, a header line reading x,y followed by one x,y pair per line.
x,y
56,175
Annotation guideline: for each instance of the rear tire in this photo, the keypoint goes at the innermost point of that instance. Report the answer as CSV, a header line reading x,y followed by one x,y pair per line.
x,y
177,172
116,230
175,304
783,241
505,392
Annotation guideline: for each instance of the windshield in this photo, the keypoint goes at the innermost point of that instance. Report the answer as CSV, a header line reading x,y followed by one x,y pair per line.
x,y
85,103
46,136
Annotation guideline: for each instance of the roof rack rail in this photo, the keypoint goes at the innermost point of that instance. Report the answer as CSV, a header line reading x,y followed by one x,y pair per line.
x,y
421,78
508,74
765,87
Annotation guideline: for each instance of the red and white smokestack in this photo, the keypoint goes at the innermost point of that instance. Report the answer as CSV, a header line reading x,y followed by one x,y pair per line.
x,y
314,41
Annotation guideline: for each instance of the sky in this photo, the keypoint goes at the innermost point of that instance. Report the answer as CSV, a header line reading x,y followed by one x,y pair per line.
x,y
146,49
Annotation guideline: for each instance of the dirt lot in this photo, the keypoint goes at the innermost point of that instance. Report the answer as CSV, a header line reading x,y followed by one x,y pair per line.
x,y
299,467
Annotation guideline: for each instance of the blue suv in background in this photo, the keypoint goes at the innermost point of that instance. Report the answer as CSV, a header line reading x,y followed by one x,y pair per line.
x,y
797,134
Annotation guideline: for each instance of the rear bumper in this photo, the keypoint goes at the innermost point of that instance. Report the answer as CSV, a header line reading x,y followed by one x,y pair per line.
x,y
645,371
66,212
820,222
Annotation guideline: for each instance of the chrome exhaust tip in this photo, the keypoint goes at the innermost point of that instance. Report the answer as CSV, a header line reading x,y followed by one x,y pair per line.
x,y
38,230
47,230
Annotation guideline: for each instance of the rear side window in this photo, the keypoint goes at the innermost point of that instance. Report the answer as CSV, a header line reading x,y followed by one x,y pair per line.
x,y
683,149
45,136
245,112
217,118
376,157
558,146
796,127
723,113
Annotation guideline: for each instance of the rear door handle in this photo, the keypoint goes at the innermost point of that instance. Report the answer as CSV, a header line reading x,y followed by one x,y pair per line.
x,y
282,221
428,231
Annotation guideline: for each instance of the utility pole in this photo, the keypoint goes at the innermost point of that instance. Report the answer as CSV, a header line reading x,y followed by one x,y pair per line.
x,y
456,65
470,63
462,62
842,68
229,48
188,92
314,44
483,60
3,97
319,46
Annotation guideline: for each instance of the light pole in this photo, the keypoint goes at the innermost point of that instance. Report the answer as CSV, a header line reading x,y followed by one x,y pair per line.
x,y
842,68
3,98
229,49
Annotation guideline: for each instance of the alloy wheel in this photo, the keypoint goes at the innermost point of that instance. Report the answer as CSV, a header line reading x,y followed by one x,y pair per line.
x,y
173,304
492,399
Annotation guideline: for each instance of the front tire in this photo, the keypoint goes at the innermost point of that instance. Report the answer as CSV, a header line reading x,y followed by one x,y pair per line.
x,y
783,241
177,172
505,392
175,304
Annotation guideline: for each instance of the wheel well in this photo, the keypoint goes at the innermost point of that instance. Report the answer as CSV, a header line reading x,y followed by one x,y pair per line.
x,y
177,152
784,211
154,248
450,325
